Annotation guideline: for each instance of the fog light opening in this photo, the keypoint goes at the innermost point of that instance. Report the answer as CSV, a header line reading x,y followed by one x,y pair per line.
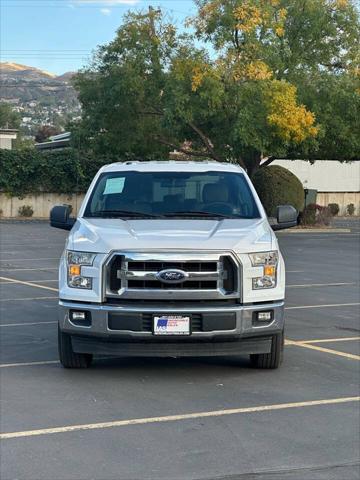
x,y
80,318
263,318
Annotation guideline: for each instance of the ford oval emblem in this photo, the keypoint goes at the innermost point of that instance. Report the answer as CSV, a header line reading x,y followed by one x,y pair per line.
x,y
172,276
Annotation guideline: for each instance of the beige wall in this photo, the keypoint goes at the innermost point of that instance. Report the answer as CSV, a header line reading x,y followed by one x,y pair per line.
x,y
5,143
41,203
325,175
341,198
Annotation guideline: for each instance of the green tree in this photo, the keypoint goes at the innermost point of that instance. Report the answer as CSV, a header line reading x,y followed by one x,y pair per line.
x,y
8,118
336,101
263,85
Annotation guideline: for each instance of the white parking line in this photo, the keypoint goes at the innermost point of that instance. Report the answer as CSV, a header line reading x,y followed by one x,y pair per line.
x,y
28,364
174,418
307,285
13,252
28,259
27,299
38,245
28,269
323,306
32,281
29,284
24,324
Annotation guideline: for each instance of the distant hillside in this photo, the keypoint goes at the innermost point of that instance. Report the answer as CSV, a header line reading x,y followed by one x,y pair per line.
x,y
65,77
39,97
24,70
21,83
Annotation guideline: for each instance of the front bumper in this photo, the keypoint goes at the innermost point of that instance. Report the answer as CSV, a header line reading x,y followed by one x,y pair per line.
x,y
247,336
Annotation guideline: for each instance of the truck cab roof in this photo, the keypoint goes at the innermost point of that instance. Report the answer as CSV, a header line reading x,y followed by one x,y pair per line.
x,y
172,165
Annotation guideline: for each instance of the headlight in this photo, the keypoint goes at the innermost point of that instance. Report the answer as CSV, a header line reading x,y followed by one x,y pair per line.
x,y
80,258
75,260
264,258
269,261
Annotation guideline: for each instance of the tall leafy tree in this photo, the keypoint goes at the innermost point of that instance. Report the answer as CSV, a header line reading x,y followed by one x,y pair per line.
x,y
272,78
8,117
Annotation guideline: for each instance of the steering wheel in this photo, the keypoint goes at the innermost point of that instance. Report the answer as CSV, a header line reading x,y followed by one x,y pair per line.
x,y
218,207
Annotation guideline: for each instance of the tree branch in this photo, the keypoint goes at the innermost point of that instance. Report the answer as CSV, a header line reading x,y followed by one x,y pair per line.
x,y
207,142
236,39
193,153
267,161
241,163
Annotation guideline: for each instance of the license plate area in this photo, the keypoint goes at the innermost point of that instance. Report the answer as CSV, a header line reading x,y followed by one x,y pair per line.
x,y
171,325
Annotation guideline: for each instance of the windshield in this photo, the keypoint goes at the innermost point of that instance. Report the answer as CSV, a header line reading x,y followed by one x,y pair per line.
x,y
172,194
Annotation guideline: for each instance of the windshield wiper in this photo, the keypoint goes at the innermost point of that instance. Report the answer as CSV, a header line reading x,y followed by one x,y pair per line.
x,y
121,213
195,213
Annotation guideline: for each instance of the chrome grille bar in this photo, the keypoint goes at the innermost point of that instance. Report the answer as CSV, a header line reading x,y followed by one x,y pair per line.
x,y
141,275
204,275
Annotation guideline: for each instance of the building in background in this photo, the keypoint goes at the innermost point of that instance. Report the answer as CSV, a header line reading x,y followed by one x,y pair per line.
x,y
56,142
335,182
7,136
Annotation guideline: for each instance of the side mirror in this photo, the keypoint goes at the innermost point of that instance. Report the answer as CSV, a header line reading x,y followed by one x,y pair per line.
x,y
60,217
286,216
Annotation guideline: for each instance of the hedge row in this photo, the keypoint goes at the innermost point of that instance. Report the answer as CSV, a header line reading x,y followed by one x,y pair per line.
x,y
32,171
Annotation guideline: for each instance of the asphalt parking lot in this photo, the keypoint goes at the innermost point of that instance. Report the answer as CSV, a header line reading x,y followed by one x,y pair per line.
x,y
176,418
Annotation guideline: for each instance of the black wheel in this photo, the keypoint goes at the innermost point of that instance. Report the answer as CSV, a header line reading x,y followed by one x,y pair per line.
x,y
272,359
68,358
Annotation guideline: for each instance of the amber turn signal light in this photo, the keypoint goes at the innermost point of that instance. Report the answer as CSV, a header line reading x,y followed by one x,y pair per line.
x,y
269,270
74,269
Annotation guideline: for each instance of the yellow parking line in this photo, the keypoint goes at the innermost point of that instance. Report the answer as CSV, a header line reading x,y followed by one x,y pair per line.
x,y
322,349
331,340
173,418
29,284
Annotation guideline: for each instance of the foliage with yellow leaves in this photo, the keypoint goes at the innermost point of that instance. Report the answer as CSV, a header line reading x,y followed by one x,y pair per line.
x,y
292,122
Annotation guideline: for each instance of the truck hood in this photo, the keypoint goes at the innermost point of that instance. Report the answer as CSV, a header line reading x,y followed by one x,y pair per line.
x,y
104,235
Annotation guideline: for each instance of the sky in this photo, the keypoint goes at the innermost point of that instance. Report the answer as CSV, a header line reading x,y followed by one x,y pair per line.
x,y
59,35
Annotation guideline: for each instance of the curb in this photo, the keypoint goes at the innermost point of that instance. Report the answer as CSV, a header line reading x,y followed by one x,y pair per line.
x,y
23,220
315,230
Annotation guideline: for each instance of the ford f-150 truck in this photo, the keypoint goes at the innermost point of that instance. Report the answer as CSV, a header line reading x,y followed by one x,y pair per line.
x,y
171,259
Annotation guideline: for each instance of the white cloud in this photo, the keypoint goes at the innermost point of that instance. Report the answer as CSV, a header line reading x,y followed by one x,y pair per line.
x,y
105,11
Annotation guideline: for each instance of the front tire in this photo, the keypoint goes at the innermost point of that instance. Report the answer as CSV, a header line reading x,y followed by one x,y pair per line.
x,y
273,359
69,358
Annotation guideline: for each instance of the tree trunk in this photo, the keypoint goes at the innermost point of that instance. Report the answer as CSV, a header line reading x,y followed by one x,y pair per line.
x,y
252,163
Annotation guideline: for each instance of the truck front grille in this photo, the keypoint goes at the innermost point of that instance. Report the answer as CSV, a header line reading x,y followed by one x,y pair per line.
x,y
202,276
156,285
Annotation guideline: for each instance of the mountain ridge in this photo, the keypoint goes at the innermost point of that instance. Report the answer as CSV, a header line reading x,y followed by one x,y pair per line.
x,y
40,97
18,67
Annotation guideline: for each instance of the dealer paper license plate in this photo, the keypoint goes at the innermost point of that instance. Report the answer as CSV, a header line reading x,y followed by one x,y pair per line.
x,y
171,325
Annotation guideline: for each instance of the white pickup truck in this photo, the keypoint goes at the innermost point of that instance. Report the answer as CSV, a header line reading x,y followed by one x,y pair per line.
x,y
171,259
